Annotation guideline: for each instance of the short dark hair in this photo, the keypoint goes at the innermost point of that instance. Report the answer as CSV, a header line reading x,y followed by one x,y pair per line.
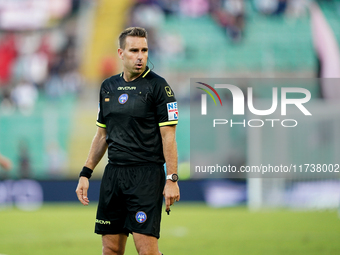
x,y
131,31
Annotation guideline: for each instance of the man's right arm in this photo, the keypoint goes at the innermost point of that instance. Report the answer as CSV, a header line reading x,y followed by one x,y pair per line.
x,y
97,151
98,148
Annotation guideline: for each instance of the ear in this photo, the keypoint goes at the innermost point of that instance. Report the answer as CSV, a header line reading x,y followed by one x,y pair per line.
x,y
120,53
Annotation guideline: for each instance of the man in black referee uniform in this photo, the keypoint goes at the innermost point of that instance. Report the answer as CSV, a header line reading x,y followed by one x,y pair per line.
x,y
136,122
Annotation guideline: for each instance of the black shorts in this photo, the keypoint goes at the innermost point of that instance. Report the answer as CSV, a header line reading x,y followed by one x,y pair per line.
x,y
130,200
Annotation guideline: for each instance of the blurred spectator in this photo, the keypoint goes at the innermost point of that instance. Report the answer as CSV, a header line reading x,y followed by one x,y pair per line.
x,y
7,57
24,160
31,64
328,54
64,76
236,9
297,8
194,8
75,6
25,95
169,7
267,7
7,105
172,46
281,7
147,15
72,81
54,86
229,14
150,16
271,7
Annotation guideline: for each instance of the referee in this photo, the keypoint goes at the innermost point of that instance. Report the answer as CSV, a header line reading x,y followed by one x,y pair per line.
x,y
137,119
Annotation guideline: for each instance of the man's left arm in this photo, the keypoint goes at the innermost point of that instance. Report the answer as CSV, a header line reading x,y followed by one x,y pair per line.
x,y
171,189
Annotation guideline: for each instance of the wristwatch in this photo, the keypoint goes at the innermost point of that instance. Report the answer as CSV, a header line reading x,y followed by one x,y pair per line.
x,y
172,177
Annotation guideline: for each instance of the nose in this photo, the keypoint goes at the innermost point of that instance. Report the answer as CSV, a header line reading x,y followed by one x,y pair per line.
x,y
140,55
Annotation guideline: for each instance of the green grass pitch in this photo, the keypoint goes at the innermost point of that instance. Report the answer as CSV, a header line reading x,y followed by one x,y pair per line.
x,y
190,229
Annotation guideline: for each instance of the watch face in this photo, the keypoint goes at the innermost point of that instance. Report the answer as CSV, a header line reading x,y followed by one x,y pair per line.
x,y
174,177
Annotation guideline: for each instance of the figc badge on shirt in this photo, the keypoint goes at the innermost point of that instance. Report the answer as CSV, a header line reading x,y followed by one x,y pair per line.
x,y
123,98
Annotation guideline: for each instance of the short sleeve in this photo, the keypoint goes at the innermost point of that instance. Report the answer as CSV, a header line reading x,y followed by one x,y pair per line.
x,y
166,104
100,117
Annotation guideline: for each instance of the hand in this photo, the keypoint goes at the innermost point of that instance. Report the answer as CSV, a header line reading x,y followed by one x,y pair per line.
x,y
83,186
171,193
5,163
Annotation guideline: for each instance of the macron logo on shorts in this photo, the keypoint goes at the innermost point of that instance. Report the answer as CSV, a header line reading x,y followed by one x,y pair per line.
x,y
141,217
172,111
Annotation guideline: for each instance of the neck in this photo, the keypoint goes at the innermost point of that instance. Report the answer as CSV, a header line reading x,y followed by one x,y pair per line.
x,y
131,76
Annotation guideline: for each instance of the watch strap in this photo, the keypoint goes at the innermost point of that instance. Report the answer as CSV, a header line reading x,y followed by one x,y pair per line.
x,y
170,177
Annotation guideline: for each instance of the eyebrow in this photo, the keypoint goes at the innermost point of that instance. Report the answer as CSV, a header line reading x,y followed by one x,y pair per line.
x,y
144,48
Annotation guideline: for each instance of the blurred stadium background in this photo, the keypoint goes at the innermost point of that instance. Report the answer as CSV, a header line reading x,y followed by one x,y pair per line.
x,y
54,55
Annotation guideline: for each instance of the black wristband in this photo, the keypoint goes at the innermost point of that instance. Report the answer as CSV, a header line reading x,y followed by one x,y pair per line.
x,y
86,172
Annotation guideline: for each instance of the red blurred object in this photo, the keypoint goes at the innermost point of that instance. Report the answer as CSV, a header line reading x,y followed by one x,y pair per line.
x,y
7,58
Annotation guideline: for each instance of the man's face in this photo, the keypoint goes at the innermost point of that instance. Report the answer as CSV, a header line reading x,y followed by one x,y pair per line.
x,y
135,55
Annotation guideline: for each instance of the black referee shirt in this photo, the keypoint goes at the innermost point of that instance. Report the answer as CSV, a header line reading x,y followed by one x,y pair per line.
x,y
132,113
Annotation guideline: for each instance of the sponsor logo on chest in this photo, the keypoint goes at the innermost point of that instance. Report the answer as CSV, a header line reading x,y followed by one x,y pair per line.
x,y
126,88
